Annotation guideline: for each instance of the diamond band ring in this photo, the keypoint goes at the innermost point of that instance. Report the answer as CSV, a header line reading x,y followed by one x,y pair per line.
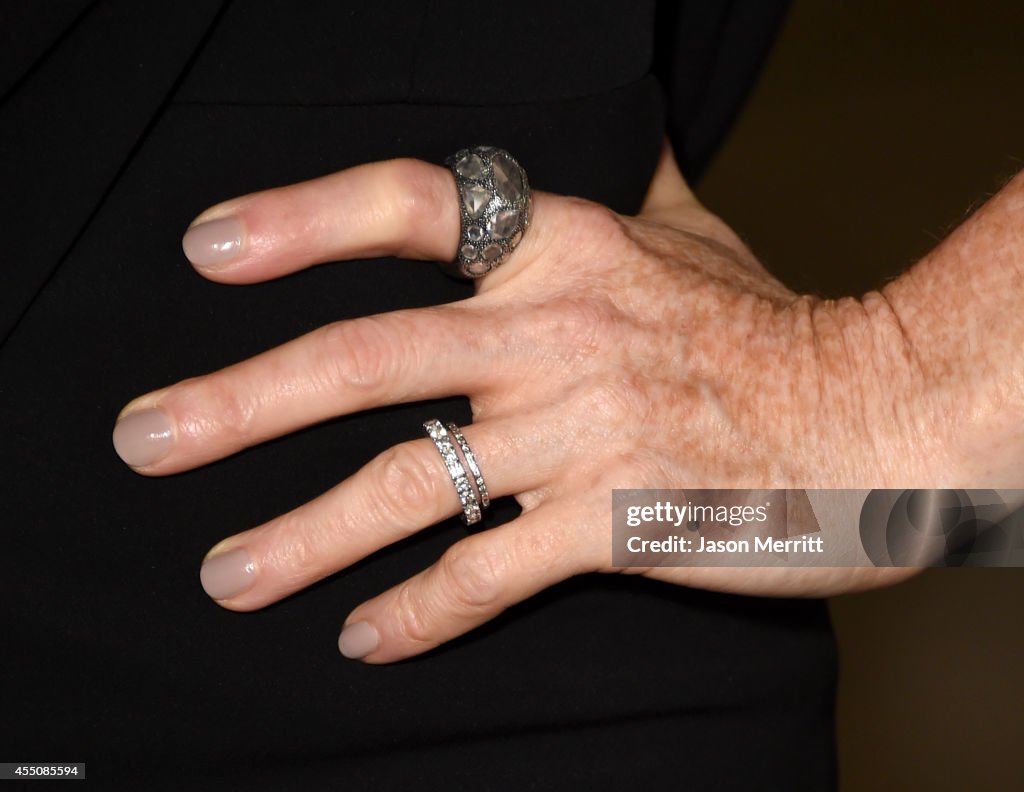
x,y
494,206
472,492
474,469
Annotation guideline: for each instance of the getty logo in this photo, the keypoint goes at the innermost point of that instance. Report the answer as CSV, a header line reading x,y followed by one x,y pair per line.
x,y
943,527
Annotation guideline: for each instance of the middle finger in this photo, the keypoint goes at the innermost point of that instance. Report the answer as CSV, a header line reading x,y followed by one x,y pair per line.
x,y
338,369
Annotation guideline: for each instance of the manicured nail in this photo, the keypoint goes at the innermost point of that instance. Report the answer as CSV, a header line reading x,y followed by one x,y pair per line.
x,y
213,244
358,640
227,575
141,438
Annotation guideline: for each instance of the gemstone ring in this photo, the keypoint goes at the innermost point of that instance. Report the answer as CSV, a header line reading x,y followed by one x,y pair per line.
x,y
494,206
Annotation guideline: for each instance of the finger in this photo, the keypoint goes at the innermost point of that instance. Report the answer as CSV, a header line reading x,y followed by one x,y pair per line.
x,y
475,580
401,207
338,369
401,491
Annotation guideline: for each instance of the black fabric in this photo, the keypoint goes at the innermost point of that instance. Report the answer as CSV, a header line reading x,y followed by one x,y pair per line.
x,y
707,56
73,120
30,31
441,52
113,654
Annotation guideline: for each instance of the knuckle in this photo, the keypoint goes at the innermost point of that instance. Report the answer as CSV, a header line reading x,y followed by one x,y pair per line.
x,y
474,574
617,403
406,486
599,216
641,469
584,325
359,354
219,408
297,552
567,329
409,616
596,224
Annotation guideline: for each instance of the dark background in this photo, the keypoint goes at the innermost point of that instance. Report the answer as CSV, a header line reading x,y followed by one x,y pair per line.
x,y
875,129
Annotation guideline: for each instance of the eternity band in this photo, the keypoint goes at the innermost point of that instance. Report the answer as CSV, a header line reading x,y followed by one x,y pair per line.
x,y
474,469
463,487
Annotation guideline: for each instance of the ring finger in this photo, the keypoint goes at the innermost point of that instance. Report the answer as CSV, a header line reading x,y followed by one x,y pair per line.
x,y
404,489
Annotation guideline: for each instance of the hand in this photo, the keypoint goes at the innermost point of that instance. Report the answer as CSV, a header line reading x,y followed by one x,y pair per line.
x,y
607,352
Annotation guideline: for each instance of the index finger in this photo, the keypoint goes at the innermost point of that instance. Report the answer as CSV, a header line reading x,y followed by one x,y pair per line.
x,y
402,207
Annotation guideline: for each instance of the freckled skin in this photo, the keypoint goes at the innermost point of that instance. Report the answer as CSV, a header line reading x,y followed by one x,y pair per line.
x,y
674,361
608,352
695,367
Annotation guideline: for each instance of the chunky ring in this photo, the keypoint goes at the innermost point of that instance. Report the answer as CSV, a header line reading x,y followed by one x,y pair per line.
x,y
495,206
472,499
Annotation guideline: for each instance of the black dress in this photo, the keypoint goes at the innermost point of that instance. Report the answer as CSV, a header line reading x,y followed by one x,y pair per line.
x,y
120,121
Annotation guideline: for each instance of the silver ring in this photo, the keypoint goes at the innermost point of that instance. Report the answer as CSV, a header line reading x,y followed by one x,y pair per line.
x,y
468,496
474,468
495,205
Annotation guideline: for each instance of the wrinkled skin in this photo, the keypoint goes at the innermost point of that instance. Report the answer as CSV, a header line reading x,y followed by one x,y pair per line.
x,y
607,352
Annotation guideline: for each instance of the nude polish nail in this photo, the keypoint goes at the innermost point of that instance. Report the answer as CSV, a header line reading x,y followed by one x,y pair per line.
x,y
227,575
357,640
144,437
215,243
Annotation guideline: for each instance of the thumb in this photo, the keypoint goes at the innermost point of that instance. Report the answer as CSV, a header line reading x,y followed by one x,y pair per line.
x,y
671,202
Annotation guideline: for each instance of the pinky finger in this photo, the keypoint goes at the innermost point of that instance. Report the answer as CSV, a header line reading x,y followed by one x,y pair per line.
x,y
474,581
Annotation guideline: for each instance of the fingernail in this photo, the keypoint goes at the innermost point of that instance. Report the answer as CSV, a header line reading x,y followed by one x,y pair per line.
x,y
141,438
227,574
213,244
358,640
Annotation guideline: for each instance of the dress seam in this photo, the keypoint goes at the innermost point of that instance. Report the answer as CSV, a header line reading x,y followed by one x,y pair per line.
x,y
147,129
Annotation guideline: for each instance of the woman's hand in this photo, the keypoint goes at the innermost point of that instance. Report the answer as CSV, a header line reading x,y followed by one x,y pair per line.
x,y
607,352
